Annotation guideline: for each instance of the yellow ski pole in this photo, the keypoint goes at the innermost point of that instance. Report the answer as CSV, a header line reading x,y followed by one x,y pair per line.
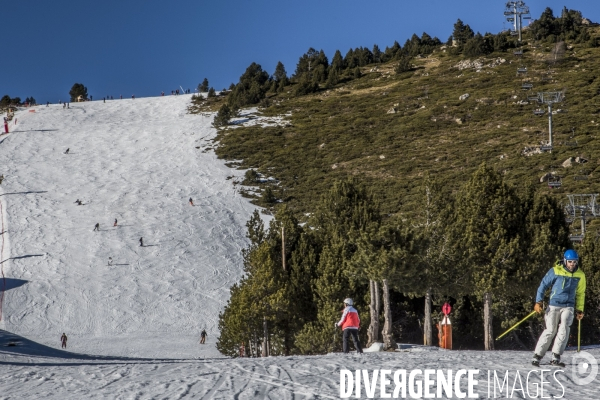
x,y
579,337
515,325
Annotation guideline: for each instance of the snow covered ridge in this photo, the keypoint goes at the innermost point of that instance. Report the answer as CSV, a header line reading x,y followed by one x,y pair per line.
x,y
137,161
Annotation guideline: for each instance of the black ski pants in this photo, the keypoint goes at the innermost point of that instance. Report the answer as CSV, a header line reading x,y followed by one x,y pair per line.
x,y
354,333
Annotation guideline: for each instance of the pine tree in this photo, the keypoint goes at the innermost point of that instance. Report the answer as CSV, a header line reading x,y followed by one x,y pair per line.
x,y
337,62
78,90
589,256
223,116
437,260
280,75
377,55
489,234
342,213
251,88
203,87
404,64
267,291
462,32
332,77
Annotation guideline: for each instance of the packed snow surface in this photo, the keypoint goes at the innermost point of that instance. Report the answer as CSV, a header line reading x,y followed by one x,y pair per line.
x,y
139,162
133,326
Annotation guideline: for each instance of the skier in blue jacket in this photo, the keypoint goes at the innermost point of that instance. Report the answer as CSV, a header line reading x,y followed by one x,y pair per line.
x,y
567,298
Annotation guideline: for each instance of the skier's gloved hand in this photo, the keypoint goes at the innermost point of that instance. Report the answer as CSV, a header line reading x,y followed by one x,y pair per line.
x,y
538,308
579,315
335,325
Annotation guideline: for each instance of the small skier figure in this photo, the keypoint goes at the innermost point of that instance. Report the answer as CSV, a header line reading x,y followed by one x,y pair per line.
x,y
568,285
67,150
242,350
78,202
141,242
191,202
115,224
109,261
63,340
1,178
350,324
97,226
202,336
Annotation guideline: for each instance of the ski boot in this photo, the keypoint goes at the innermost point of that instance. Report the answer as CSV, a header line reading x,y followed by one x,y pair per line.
x,y
536,360
556,361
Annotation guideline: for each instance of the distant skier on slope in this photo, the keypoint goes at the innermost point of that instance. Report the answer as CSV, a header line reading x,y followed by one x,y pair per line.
x,y
350,322
567,284
97,226
67,150
141,242
110,260
63,340
115,224
202,336
191,202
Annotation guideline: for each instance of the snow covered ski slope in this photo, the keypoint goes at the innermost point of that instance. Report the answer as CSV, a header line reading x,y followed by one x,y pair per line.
x,y
135,161
133,326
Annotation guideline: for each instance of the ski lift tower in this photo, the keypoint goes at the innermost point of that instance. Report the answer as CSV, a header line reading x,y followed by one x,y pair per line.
x,y
516,12
549,98
581,206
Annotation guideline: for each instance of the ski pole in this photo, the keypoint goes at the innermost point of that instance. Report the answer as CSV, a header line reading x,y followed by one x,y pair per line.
x,y
515,325
579,337
333,342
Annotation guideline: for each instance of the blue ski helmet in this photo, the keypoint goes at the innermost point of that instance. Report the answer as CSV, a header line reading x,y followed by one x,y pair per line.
x,y
571,255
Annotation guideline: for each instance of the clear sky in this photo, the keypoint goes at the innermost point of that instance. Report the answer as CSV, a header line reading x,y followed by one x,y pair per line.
x,y
143,47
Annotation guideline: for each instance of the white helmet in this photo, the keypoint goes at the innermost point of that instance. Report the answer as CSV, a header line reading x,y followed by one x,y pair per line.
x,y
348,301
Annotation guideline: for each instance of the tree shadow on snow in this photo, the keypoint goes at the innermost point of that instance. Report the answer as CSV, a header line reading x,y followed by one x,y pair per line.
x,y
12,344
6,194
11,283
19,257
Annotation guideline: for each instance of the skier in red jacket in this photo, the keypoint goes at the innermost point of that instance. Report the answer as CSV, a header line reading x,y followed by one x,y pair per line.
x,y
350,323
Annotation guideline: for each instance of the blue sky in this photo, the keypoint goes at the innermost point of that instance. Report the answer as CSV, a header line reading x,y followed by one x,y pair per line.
x,y
143,47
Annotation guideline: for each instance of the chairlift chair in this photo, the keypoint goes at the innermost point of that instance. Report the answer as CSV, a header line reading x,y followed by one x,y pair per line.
x,y
510,19
538,112
518,53
546,147
554,185
527,86
522,70
576,238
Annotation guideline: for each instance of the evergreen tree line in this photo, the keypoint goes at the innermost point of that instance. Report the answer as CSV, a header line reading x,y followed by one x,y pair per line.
x,y
569,26
314,71
6,100
484,249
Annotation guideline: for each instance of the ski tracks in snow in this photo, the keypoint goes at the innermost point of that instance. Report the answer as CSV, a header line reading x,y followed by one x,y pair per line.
x,y
135,161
